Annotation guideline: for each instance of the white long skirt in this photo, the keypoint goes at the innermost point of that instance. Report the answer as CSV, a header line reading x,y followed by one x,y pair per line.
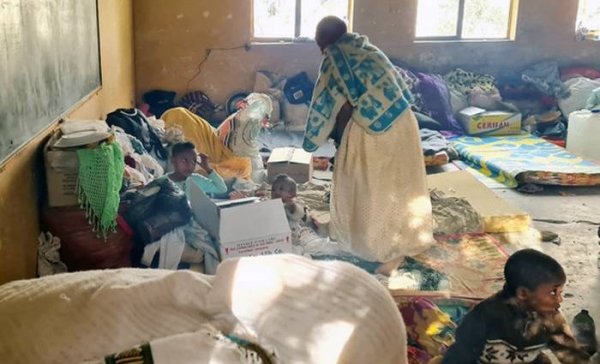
x,y
380,205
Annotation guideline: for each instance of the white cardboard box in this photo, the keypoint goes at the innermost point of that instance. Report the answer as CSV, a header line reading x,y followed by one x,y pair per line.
x,y
62,170
243,227
294,162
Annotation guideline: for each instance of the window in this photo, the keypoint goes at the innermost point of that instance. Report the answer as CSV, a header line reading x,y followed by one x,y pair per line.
x,y
589,14
466,19
294,19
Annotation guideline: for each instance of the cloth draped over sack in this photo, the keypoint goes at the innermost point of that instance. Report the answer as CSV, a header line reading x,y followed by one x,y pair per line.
x,y
241,130
203,135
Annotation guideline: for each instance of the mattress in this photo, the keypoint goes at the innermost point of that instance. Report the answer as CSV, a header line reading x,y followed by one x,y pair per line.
x,y
521,159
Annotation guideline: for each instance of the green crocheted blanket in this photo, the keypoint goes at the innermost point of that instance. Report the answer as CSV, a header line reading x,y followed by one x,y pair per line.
x,y
99,183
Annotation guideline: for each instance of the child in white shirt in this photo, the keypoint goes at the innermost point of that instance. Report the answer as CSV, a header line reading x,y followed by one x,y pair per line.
x,y
285,188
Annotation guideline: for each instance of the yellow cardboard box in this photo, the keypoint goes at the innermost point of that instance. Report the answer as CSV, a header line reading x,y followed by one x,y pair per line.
x,y
479,122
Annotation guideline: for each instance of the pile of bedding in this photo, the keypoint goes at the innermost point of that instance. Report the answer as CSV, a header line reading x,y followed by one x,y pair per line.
x,y
276,309
436,148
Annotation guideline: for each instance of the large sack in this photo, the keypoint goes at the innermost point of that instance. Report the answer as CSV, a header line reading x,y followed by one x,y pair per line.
x,y
579,90
81,248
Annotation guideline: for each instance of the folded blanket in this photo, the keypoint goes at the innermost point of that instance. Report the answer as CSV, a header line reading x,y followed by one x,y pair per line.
x,y
432,142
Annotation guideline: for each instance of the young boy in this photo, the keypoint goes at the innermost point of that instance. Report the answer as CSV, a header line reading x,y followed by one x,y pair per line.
x,y
184,159
522,323
284,187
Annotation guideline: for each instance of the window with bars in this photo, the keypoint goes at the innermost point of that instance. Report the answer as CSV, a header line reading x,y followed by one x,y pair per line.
x,y
588,20
466,19
588,15
289,20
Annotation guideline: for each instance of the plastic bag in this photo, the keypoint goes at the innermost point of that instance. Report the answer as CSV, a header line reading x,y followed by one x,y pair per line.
x,y
49,262
299,89
240,131
157,209
580,90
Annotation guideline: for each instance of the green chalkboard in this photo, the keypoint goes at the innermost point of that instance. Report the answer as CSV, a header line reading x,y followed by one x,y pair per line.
x,y
49,61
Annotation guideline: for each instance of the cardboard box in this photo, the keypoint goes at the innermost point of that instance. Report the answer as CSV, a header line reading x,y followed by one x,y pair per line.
x,y
62,170
294,162
479,122
241,228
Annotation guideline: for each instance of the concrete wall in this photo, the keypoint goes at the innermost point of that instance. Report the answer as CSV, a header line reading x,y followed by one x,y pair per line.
x,y
172,36
22,175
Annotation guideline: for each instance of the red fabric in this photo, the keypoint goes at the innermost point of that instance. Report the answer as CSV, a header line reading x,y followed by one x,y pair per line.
x,y
560,142
573,72
549,101
145,109
81,249
125,226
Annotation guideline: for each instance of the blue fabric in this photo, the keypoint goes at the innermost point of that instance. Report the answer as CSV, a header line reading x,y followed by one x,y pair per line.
x,y
357,72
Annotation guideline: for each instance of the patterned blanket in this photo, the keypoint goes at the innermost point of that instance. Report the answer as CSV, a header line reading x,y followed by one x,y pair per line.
x,y
522,159
357,72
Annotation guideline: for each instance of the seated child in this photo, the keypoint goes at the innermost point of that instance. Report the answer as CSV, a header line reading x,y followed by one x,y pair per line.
x,y
184,159
284,187
522,323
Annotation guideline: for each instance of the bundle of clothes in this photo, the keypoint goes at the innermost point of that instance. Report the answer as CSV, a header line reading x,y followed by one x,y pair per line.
x,y
139,178
290,98
129,183
159,211
544,94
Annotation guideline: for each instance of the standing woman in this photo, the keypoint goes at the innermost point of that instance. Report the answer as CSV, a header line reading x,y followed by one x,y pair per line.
x,y
380,204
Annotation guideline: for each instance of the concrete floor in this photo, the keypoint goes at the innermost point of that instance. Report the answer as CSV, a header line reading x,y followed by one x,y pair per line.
x,y
579,250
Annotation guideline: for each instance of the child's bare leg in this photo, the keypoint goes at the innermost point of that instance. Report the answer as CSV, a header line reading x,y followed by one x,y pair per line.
x,y
389,267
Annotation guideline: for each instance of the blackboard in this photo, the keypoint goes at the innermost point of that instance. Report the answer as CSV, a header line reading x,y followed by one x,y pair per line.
x,y
49,61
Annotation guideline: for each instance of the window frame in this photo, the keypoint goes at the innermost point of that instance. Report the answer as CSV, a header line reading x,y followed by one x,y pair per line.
x,y
510,34
581,8
297,26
